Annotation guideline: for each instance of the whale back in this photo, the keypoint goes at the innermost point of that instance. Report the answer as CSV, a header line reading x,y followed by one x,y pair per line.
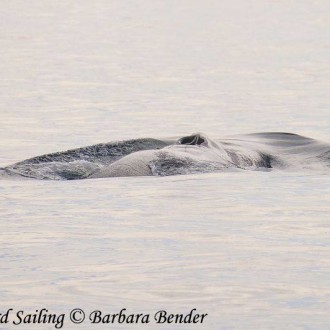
x,y
81,162
186,155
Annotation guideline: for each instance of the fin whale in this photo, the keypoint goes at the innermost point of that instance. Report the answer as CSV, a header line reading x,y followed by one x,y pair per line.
x,y
195,153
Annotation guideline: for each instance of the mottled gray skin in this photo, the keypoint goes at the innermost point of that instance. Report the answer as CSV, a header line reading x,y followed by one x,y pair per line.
x,y
191,154
78,163
195,153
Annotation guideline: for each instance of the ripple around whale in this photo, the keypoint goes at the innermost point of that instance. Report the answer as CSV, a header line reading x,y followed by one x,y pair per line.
x,y
195,153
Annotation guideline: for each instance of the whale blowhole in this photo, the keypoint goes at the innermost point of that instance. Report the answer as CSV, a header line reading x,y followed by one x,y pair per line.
x,y
195,139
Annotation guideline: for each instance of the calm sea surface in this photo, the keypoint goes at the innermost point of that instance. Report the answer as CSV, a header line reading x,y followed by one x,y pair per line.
x,y
251,249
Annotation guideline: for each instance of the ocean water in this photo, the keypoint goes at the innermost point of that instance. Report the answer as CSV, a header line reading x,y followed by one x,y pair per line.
x,y
251,249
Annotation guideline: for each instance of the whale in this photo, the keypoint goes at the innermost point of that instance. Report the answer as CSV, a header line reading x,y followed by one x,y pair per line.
x,y
188,154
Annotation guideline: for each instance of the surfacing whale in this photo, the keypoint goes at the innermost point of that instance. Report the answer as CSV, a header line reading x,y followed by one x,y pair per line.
x,y
191,154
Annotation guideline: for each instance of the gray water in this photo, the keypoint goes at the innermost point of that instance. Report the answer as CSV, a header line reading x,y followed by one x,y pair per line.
x,y
251,249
